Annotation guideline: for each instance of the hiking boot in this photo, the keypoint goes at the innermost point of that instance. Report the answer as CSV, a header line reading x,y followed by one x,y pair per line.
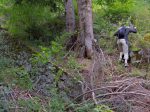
x,y
126,65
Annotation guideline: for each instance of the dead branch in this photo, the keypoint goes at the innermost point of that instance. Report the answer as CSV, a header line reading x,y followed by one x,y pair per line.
x,y
92,83
140,102
128,87
123,93
71,49
95,90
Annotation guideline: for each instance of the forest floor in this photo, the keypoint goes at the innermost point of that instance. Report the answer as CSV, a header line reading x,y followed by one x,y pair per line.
x,y
124,89
105,81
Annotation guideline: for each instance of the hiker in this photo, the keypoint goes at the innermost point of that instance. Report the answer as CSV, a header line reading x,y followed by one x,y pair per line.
x,y
123,43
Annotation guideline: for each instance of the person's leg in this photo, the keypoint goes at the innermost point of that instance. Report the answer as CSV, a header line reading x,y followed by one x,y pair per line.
x,y
126,52
120,56
120,49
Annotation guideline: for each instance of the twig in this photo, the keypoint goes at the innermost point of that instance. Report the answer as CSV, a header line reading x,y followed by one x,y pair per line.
x,y
106,100
37,81
70,49
122,81
139,102
115,93
129,86
95,90
94,98
82,87
92,75
16,107
110,100
129,105
121,86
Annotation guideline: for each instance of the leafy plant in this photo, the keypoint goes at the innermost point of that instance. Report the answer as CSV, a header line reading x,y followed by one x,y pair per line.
x,y
34,20
116,9
85,108
58,75
47,53
41,57
91,108
72,63
57,104
102,108
23,79
5,62
30,105
136,72
56,48
145,41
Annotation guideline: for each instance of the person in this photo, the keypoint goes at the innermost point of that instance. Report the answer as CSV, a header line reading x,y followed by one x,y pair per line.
x,y
123,42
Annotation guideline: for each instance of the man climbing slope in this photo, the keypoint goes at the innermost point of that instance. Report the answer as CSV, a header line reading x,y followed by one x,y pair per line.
x,y
122,41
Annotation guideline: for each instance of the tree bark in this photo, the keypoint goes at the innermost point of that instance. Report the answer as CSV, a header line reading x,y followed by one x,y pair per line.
x,y
70,16
86,36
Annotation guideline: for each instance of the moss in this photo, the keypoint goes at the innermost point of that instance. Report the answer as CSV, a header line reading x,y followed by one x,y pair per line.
x,y
147,37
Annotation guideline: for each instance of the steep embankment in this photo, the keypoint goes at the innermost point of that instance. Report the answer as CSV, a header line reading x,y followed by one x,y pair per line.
x,y
104,81
23,81
108,82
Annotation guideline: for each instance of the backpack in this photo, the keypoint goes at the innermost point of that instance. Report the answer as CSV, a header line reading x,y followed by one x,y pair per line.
x,y
121,32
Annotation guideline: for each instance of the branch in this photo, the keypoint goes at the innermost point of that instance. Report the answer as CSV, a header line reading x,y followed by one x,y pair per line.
x,y
95,90
116,93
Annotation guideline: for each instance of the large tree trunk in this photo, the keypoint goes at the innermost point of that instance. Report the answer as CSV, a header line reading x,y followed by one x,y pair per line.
x,y
70,16
86,27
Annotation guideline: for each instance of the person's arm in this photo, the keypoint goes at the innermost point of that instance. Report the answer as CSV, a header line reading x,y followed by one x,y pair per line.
x,y
116,33
132,29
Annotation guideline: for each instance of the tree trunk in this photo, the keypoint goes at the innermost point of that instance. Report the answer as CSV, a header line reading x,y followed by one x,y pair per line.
x,y
70,16
86,36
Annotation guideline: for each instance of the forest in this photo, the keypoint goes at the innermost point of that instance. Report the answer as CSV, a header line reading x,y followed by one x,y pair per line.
x,y
74,55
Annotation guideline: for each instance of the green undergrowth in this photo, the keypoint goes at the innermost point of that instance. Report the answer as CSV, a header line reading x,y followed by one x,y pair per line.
x,y
32,21
90,107
14,76
42,30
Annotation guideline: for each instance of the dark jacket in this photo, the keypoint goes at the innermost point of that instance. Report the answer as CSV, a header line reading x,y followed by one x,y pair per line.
x,y
127,31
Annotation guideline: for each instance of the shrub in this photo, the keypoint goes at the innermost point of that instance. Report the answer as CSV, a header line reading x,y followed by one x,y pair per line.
x,y
32,21
116,9
57,103
92,108
119,10
102,108
30,105
140,42
145,42
28,20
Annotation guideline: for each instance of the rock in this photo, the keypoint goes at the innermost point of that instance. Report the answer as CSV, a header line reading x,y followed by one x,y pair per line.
x,y
63,78
61,86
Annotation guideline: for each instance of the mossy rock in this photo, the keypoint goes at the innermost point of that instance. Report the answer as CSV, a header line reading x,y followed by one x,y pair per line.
x,y
147,37
144,42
